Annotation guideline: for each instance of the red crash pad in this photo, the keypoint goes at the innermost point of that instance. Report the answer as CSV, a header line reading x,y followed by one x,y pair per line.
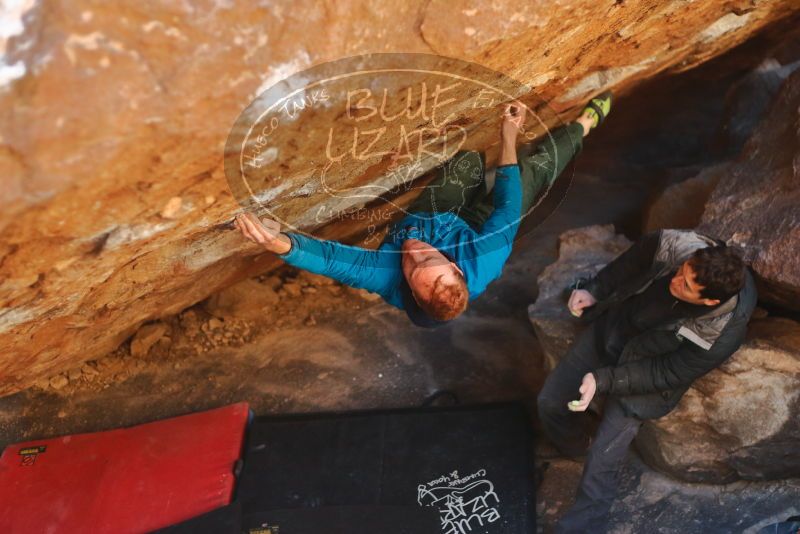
x,y
128,480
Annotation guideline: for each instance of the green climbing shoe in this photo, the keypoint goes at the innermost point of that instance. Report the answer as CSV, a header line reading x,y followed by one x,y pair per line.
x,y
598,108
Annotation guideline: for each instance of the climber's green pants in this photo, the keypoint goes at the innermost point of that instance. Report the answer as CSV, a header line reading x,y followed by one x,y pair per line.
x,y
459,185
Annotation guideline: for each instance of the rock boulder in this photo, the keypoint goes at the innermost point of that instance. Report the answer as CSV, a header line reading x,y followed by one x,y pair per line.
x,y
756,204
739,421
147,336
248,300
681,205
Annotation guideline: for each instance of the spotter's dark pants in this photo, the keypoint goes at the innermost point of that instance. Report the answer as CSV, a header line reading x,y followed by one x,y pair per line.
x,y
567,430
459,185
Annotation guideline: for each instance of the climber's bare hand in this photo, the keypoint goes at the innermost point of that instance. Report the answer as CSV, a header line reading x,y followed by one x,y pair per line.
x,y
265,232
513,120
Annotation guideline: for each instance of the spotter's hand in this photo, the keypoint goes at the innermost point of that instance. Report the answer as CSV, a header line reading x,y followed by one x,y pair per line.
x,y
587,390
579,300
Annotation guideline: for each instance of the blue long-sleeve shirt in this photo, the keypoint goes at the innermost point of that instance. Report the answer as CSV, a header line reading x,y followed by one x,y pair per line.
x,y
481,255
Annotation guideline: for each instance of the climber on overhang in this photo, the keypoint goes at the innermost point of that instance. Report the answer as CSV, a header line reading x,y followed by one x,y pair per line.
x,y
457,236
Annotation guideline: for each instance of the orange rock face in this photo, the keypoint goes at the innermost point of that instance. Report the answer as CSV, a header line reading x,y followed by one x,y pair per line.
x,y
111,142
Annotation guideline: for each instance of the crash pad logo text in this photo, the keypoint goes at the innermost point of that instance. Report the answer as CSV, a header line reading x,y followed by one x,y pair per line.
x,y
466,503
29,454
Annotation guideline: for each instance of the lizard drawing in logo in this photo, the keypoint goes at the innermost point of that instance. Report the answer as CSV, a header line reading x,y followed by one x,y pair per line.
x,y
462,509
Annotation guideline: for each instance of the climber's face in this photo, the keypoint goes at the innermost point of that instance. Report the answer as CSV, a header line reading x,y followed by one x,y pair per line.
x,y
423,265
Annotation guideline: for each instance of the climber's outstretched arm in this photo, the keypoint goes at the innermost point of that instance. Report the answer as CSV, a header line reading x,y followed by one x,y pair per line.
x,y
373,270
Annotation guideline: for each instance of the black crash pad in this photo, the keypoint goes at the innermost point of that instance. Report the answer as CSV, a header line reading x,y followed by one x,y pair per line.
x,y
472,465
223,520
344,520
